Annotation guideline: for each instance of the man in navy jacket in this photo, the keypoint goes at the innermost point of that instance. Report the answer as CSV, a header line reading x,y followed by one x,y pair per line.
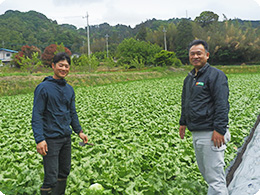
x,y
53,115
205,110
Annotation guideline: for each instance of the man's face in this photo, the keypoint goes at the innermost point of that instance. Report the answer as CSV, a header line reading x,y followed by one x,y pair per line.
x,y
61,69
198,56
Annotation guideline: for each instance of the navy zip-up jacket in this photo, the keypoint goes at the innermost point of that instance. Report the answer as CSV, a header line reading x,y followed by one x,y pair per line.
x,y
54,110
205,103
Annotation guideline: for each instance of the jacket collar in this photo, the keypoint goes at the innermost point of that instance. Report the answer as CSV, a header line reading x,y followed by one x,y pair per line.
x,y
201,71
58,81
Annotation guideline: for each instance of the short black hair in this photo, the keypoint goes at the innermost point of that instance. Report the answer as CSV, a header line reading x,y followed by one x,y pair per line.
x,y
198,42
61,56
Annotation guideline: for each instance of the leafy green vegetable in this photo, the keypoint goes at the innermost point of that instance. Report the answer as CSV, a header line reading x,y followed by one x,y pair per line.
x,y
134,127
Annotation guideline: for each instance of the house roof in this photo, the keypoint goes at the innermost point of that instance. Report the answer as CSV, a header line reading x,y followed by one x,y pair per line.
x,y
8,50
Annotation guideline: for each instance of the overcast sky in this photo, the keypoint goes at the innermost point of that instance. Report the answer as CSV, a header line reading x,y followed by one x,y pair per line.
x,y
132,12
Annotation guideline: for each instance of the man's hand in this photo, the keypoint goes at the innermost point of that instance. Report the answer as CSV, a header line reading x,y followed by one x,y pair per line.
x,y
42,148
83,137
182,131
218,139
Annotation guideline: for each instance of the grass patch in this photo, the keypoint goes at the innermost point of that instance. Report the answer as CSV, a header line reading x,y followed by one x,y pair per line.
x,y
22,84
231,68
16,82
239,69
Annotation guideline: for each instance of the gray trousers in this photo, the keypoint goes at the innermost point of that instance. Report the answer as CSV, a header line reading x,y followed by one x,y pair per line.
x,y
210,160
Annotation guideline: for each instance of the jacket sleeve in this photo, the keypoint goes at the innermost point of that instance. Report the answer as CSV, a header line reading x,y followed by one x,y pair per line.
x,y
74,116
220,93
183,119
39,104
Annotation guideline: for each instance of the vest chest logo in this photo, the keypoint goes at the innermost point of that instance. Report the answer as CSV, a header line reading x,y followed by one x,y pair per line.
x,y
199,84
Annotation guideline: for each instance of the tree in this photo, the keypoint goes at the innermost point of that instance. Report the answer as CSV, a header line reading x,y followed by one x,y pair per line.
x,y
141,51
206,18
51,50
157,36
171,37
184,37
142,33
26,52
235,44
60,48
98,45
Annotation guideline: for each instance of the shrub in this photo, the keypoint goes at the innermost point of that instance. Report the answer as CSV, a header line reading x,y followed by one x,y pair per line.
x,y
167,58
30,64
110,63
139,64
88,63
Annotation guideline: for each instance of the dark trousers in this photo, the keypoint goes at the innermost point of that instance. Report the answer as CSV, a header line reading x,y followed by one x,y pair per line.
x,y
57,162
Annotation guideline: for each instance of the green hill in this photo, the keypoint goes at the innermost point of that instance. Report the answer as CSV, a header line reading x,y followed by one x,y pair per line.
x,y
231,41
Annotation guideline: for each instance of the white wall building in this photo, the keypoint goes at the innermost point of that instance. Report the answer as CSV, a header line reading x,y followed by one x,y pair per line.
x,y
6,55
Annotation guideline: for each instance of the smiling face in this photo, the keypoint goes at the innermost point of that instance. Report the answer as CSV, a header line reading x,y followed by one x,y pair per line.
x,y
61,69
198,56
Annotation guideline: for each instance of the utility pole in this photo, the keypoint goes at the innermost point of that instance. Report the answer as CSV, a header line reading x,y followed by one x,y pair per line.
x,y
83,44
107,43
88,35
165,44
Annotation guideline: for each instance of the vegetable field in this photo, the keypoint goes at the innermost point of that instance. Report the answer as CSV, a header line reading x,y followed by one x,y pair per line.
x,y
134,127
